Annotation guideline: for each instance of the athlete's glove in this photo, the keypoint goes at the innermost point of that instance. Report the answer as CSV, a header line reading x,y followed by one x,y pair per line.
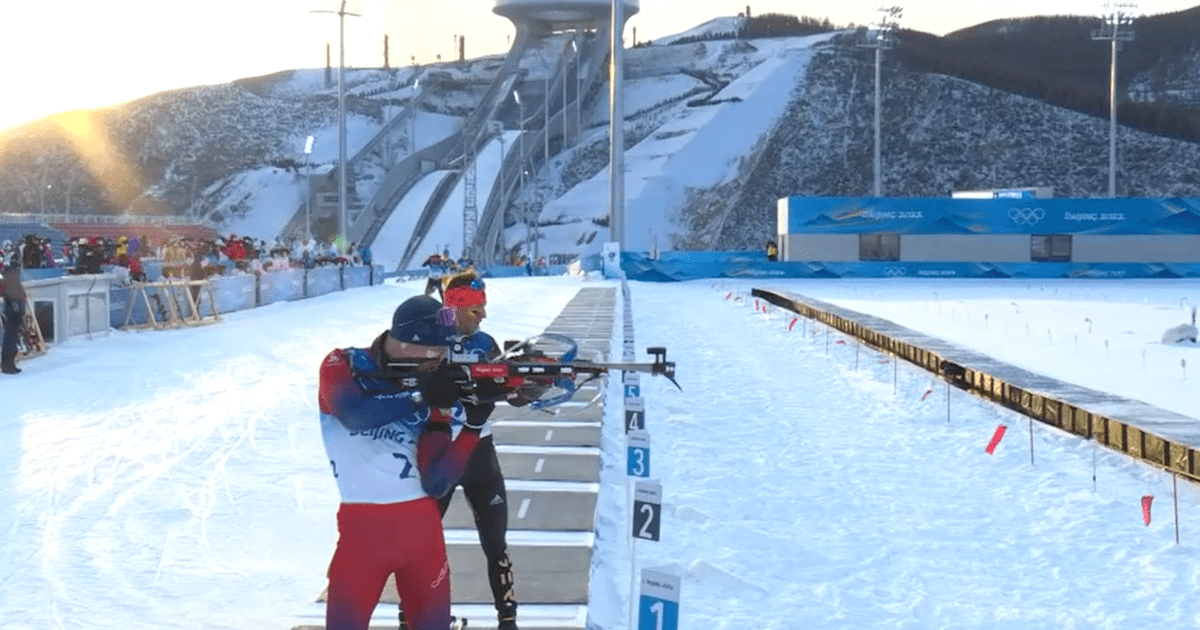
x,y
526,394
439,388
485,390
476,417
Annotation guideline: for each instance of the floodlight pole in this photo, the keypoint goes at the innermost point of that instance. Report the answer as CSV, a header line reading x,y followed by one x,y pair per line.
x,y
412,137
546,122
521,154
578,92
886,21
878,163
1112,123
308,147
342,219
616,168
1116,15
565,76
503,195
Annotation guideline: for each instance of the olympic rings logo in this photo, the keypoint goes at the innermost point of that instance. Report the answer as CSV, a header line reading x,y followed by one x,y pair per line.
x,y
1026,216
895,272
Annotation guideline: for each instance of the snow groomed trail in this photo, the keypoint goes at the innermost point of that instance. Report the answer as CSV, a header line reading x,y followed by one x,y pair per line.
x,y
874,508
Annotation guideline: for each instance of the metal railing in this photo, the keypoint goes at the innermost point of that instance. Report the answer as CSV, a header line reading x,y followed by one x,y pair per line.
x,y
98,219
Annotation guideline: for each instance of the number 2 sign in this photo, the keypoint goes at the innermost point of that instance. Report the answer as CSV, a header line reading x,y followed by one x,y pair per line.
x,y
647,508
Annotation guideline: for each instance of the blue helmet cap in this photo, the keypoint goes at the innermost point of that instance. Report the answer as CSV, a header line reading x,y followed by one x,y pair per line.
x,y
421,320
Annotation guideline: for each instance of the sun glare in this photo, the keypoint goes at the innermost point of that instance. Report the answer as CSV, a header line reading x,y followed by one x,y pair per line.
x,y
103,160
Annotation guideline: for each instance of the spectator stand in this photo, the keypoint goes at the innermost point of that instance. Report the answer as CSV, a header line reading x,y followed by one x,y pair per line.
x,y
159,232
170,304
14,227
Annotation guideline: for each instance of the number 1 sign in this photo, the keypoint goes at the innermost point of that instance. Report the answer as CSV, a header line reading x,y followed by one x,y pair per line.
x,y
658,608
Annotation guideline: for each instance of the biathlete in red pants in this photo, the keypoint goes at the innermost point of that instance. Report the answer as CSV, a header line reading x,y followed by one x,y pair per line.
x,y
389,440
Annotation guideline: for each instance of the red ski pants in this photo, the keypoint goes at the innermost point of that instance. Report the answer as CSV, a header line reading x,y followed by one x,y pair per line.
x,y
378,540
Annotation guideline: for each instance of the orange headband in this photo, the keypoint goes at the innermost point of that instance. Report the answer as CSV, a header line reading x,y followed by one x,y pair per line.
x,y
459,297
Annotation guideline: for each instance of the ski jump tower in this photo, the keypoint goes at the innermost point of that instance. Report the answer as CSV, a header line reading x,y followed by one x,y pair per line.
x,y
583,29
560,15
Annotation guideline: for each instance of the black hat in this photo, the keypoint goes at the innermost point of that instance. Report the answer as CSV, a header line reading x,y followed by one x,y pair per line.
x,y
420,320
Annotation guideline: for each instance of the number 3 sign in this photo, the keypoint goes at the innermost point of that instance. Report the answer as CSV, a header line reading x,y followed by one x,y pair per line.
x,y
637,459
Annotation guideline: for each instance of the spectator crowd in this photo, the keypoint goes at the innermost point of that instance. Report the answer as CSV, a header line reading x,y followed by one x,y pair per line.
x,y
190,258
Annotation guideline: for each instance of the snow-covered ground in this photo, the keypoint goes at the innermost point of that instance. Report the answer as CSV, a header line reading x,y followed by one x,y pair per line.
x,y
177,479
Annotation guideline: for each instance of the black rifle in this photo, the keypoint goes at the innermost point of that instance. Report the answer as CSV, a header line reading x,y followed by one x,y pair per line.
x,y
521,370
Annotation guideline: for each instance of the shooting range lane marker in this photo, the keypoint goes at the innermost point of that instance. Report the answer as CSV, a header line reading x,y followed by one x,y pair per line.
x,y
549,435
537,468
524,508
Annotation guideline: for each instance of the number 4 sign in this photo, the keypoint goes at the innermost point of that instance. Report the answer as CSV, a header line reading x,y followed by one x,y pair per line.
x,y
635,414
658,608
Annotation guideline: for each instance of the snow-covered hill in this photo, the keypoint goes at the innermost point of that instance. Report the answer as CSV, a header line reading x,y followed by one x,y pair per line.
x,y
716,131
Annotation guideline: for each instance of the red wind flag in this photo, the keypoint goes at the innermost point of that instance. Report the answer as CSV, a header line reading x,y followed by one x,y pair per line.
x,y
996,437
926,394
794,320
1146,500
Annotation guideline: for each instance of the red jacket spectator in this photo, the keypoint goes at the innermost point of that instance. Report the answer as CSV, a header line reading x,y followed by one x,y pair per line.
x,y
235,249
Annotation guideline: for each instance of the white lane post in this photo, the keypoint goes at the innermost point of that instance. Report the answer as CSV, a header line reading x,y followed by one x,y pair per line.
x,y
1175,494
637,464
631,492
947,402
645,521
895,374
632,387
857,347
1031,442
1095,449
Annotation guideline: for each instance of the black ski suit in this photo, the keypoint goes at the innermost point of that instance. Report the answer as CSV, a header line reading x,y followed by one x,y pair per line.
x,y
483,486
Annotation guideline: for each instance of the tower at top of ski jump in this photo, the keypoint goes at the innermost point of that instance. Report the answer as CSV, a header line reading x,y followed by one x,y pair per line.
x,y
560,14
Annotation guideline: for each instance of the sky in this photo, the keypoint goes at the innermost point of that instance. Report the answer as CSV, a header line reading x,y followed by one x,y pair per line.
x,y
62,55
183,482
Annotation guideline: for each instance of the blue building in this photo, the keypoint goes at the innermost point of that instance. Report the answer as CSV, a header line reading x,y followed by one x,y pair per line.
x,y
999,237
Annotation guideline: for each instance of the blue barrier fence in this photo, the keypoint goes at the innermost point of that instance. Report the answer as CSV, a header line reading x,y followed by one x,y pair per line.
x,y
683,266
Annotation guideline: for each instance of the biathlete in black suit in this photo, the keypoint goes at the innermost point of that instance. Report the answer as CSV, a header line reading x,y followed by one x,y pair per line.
x,y
483,481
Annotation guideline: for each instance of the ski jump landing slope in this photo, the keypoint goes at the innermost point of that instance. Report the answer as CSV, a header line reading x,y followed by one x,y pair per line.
x,y
446,230
697,149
